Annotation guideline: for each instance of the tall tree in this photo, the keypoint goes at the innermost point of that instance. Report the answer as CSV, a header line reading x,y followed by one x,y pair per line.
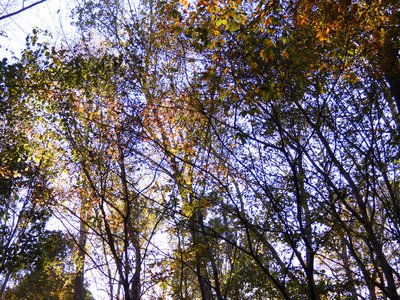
x,y
23,180
52,271
261,135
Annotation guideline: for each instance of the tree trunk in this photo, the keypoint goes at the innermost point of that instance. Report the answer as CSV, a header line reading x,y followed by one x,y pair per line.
x,y
347,267
79,284
201,267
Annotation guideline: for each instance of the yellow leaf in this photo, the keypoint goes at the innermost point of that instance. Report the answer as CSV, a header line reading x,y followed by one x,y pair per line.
x,y
17,175
184,3
302,19
320,36
285,54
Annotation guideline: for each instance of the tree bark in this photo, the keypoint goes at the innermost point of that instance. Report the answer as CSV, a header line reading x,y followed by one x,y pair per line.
x,y
79,286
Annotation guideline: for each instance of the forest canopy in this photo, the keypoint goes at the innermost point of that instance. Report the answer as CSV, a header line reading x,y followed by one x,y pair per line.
x,y
204,150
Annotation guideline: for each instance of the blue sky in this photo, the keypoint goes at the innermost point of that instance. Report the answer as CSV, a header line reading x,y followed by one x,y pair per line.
x,y
51,15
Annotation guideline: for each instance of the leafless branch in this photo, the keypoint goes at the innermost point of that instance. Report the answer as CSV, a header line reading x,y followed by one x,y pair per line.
x,y
21,10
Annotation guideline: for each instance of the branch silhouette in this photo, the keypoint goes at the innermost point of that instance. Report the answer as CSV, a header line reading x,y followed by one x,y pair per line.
x,y
21,10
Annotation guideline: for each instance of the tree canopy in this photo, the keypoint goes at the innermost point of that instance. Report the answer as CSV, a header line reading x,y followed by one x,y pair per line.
x,y
205,150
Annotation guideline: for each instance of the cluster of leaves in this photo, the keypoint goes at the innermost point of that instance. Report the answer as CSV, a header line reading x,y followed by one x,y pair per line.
x,y
258,139
52,271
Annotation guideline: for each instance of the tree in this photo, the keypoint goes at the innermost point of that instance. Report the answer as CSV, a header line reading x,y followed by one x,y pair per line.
x,y
53,271
271,74
112,208
23,185
261,137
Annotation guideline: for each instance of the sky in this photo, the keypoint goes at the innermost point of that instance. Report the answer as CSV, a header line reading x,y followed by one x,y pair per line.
x,y
51,15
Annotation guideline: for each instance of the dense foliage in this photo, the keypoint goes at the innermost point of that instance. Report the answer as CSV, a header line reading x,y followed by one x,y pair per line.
x,y
208,150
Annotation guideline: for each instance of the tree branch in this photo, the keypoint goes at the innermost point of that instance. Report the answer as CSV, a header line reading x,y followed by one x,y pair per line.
x,y
21,10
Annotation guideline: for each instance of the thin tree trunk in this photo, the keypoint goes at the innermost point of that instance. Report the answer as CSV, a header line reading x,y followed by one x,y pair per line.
x,y
201,268
305,221
131,233
4,285
79,286
211,258
347,267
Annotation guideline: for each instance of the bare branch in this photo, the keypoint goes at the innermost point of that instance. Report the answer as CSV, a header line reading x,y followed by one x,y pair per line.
x,y
21,10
